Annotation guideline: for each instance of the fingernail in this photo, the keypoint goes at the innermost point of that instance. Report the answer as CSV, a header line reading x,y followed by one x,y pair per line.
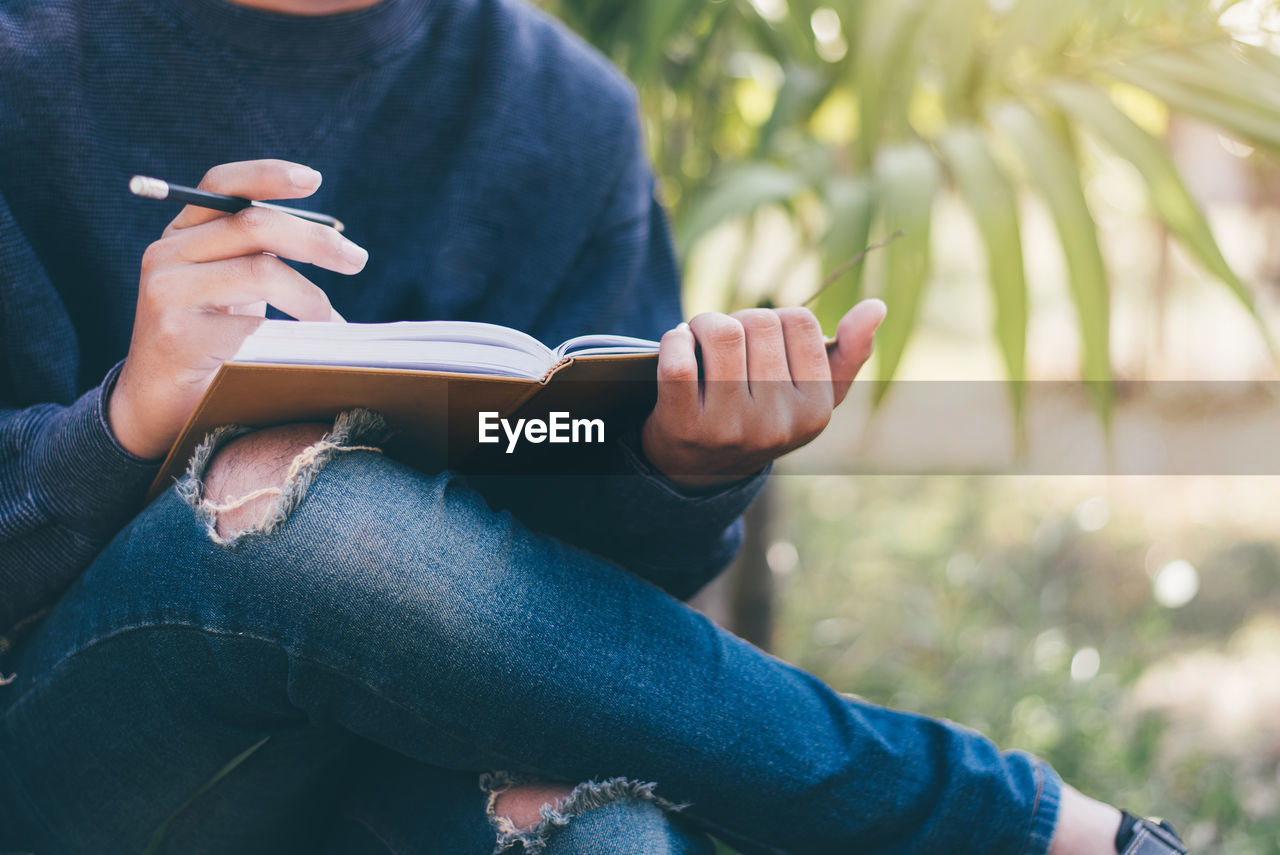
x,y
683,327
884,310
353,254
304,176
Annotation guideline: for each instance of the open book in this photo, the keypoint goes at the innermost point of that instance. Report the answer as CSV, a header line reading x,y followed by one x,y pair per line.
x,y
434,381
454,346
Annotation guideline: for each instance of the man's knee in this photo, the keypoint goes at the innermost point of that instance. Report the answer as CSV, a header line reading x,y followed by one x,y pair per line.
x,y
614,816
372,535
246,477
376,544
241,481
522,804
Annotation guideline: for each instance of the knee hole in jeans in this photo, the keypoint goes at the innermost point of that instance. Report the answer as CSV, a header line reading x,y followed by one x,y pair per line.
x,y
353,430
581,799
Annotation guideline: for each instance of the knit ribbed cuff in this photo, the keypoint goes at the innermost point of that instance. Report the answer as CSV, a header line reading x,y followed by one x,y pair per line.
x,y
665,506
86,478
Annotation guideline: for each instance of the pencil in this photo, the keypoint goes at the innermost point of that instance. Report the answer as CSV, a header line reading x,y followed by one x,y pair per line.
x,y
154,188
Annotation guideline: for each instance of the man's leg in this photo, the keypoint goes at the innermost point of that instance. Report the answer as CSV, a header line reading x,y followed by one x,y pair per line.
x,y
399,608
241,481
397,806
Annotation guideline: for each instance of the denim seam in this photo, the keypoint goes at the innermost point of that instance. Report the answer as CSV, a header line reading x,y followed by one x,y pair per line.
x,y
121,631
1037,806
764,848
449,731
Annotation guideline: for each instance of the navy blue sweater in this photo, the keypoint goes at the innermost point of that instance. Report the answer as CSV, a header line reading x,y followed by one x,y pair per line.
x,y
490,162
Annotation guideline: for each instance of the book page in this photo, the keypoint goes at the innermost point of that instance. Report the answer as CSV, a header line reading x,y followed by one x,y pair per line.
x,y
455,346
602,345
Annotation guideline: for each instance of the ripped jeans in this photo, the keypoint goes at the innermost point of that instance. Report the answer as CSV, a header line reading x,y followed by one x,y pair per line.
x,y
399,652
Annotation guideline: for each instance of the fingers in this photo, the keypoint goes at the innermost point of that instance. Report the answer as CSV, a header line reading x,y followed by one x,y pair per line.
x,y
279,179
763,347
216,340
678,374
854,341
222,338
806,351
766,349
249,279
724,347
258,230
769,388
204,287
251,179
723,343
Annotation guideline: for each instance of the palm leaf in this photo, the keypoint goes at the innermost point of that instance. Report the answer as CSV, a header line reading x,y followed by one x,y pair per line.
x,y
1220,68
1249,120
907,180
739,190
935,70
1169,196
851,203
994,205
953,30
885,67
1049,159
1032,29
803,91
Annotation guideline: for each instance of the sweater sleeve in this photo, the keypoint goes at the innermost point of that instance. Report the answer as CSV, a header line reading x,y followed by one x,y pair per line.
x,y
66,484
626,280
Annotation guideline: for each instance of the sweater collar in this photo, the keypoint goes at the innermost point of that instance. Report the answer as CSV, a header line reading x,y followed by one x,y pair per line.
x,y
366,33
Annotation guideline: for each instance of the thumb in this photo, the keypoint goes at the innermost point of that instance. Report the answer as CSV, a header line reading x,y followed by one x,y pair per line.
x,y
855,336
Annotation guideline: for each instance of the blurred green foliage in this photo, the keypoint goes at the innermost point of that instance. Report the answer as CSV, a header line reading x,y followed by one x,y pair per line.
x,y
1020,607
980,599
855,114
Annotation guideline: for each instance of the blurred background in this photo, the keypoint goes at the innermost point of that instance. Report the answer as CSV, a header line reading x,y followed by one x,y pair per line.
x,y
1088,191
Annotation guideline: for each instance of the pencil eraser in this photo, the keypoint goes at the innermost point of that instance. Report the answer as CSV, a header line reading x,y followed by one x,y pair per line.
x,y
151,188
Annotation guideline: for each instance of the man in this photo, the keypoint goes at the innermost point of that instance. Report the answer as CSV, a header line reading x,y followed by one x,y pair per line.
x,y
356,643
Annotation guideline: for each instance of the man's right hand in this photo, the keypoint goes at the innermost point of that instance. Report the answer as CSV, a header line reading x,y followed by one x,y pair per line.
x,y
204,288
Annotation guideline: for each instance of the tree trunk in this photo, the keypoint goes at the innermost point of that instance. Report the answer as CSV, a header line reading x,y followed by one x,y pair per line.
x,y
741,600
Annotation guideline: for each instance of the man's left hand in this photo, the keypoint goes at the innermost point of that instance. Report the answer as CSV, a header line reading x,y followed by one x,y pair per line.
x,y
767,385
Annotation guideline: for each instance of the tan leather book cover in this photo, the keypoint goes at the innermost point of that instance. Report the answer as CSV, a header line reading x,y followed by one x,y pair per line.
x,y
434,414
